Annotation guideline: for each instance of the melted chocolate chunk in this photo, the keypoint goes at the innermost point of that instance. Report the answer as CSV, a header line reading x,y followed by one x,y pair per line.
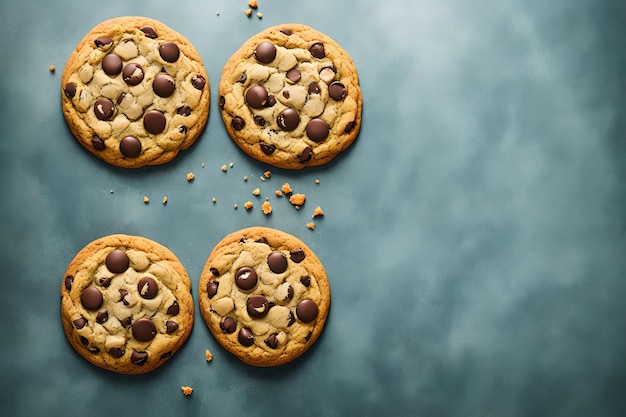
x,y
130,146
80,323
126,322
123,294
349,127
70,90
245,337
116,352
103,41
305,280
147,288
306,155
317,130
139,358
120,98
314,88
256,97
104,109
132,74
271,100
257,306
259,121
102,316
174,309
306,310
184,110
163,85
149,32
294,75
286,31
265,52
229,325
222,102
105,282
277,262
337,90
267,148
154,121
84,340
245,278
288,119
171,326
211,288
97,142
272,341
242,78
238,123
169,51
144,330
198,82
215,272
69,280
297,255
112,64
317,50
182,129
91,298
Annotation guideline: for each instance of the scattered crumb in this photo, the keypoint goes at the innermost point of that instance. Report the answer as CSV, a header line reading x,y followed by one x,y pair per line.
x,y
259,15
317,181
253,3
266,208
248,12
278,193
248,205
164,199
310,225
235,206
186,391
203,165
224,168
256,192
267,174
297,200
286,188
245,178
231,164
214,200
190,177
146,199
317,212
208,356
52,68
111,191
217,13
262,178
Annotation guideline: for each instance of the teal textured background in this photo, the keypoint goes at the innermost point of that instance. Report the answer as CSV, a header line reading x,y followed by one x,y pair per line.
x,y
474,234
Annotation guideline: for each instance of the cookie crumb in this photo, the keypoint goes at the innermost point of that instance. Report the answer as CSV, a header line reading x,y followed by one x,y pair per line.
x,y
248,12
286,188
245,178
146,199
253,3
310,225
256,192
259,15
317,181
267,174
186,391
202,165
217,13
235,206
214,200
224,168
208,356
248,205
190,177
317,212
164,201
52,68
266,208
297,200
231,164
278,193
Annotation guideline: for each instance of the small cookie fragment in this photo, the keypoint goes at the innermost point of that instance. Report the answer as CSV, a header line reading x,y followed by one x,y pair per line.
x,y
146,199
190,177
317,212
256,192
248,12
187,391
253,4
208,355
267,174
297,200
52,68
310,225
248,205
224,168
266,208
286,188
164,200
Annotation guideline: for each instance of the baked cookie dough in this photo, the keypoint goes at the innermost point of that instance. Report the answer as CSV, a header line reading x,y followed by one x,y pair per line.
x,y
126,304
135,92
290,97
264,296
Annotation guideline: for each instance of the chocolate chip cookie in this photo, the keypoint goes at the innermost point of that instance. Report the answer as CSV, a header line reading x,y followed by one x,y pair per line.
x,y
126,304
290,97
135,92
264,296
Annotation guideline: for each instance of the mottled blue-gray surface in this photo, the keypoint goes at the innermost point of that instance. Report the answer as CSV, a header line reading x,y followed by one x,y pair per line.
x,y
474,234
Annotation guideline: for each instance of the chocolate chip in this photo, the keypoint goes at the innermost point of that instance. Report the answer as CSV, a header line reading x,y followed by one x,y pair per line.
x,y
245,337
94,349
305,280
91,298
262,240
130,146
229,325
70,90
306,155
286,93
105,282
147,288
259,121
308,335
163,85
149,32
242,78
297,255
317,50
132,74
184,110
306,310
171,326
337,90
116,352
286,31
97,142
292,319
211,288
165,355
267,148
169,51
69,280
198,82
256,97
120,98
272,341
80,323
288,119
103,41
112,64
238,123
349,127
154,121
271,100
265,52
294,75
314,88
102,316
182,129
222,102
84,340
277,262
317,130
104,108
257,306
144,330
215,272
245,278
126,322
139,358
174,309
290,293
123,294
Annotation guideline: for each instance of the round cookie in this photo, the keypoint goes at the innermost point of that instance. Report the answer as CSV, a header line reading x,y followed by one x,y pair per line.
x,y
264,296
135,92
126,304
290,97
